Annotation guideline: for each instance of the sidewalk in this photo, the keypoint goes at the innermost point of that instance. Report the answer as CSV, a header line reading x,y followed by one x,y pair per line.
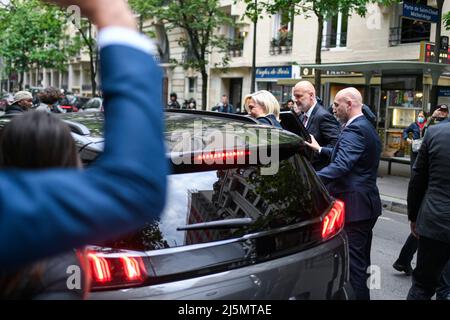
x,y
393,188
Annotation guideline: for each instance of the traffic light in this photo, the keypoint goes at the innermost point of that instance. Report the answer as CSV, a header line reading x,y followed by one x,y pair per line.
x,y
444,43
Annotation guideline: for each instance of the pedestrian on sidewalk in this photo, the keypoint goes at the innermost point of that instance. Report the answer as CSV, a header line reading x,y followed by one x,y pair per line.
x,y
224,106
50,98
440,115
23,101
352,177
429,212
416,130
173,102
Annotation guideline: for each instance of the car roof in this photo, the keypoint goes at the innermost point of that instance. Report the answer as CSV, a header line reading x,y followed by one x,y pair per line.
x,y
200,130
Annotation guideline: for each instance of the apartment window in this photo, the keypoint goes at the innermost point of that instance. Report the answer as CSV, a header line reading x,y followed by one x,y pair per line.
x,y
191,84
283,27
236,41
162,43
415,31
283,20
335,31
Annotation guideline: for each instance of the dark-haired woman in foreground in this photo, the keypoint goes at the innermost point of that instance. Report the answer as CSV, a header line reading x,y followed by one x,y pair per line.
x,y
35,141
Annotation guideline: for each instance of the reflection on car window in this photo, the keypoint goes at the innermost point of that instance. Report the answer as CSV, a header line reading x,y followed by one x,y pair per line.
x,y
289,197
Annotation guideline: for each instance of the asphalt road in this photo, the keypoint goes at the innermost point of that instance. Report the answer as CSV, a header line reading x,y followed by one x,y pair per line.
x,y
390,233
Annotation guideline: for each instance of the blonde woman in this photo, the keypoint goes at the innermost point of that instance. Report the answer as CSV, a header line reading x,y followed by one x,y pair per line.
x,y
264,107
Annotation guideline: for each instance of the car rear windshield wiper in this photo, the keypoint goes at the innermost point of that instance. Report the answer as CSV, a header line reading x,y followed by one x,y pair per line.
x,y
219,224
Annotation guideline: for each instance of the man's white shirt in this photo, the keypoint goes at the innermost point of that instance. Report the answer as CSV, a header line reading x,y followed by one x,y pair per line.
x,y
127,37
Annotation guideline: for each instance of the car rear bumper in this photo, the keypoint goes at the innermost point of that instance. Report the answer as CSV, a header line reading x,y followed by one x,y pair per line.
x,y
318,273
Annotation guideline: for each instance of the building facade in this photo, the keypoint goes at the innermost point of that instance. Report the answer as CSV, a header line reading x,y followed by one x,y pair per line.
x,y
387,55
384,34
285,50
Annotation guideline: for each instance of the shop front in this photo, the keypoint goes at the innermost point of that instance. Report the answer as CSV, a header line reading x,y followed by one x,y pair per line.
x,y
395,90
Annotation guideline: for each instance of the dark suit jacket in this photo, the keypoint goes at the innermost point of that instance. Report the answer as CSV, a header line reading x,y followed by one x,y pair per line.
x,y
325,128
47,212
352,174
429,187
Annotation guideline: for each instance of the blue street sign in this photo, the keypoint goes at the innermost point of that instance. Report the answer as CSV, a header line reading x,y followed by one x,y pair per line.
x,y
420,12
284,72
444,92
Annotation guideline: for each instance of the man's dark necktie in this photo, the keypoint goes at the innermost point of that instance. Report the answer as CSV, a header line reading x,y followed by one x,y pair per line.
x,y
305,119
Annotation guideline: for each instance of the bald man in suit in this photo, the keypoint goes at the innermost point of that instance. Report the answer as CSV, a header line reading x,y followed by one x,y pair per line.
x,y
351,176
316,119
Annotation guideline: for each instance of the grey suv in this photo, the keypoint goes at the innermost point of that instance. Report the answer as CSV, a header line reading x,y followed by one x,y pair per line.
x,y
228,231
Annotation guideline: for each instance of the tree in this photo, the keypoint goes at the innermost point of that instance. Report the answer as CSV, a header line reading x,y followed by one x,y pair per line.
x,y
87,41
447,20
322,9
200,20
33,36
144,8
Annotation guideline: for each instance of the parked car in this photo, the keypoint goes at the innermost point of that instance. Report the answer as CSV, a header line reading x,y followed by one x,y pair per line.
x,y
94,104
228,230
5,100
72,103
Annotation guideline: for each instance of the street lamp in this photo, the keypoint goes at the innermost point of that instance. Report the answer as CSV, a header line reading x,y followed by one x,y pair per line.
x,y
255,21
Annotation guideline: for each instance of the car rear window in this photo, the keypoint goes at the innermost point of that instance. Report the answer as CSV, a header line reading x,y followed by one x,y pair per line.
x,y
291,196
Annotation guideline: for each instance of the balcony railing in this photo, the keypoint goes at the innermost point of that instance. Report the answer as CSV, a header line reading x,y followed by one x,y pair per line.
x,y
401,35
281,45
276,50
334,40
86,87
235,48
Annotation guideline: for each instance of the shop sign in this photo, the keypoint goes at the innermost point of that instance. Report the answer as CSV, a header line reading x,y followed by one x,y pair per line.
x,y
282,72
309,72
444,92
427,53
420,12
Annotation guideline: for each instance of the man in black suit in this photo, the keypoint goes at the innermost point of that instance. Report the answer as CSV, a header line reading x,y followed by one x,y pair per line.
x,y
429,211
352,177
319,123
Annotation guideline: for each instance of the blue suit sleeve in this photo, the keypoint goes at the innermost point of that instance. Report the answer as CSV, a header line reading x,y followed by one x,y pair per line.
x,y
418,183
350,149
44,213
407,131
326,153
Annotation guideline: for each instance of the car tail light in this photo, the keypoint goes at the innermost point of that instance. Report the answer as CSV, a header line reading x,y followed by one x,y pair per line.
x,y
116,270
100,268
333,222
132,268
